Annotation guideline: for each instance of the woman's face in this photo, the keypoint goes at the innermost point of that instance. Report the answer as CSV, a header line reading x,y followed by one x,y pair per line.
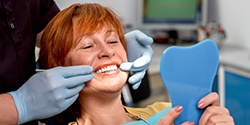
x,y
104,52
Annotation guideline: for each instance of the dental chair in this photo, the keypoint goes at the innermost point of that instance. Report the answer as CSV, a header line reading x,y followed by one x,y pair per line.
x,y
131,96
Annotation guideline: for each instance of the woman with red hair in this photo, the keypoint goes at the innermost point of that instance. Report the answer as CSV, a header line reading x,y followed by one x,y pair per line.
x,y
90,34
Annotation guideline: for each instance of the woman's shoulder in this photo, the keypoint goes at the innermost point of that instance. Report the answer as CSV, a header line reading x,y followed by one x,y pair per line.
x,y
149,110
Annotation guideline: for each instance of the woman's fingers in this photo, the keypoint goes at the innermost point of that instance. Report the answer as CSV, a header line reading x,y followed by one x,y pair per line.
x,y
216,114
169,118
211,99
188,123
219,120
213,113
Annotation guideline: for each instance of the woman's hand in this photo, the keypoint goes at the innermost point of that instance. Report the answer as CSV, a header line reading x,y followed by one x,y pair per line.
x,y
214,112
169,118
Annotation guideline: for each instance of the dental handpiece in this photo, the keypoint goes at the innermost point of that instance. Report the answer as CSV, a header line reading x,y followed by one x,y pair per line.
x,y
41,70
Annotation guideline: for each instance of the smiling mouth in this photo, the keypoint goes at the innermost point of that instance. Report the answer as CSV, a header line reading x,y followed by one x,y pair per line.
x,y
107,69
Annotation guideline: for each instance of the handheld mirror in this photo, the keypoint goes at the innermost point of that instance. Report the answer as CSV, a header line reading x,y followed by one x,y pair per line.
x,y
188,73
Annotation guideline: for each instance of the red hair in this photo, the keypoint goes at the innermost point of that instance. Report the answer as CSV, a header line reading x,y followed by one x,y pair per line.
x,y
67,27
64,32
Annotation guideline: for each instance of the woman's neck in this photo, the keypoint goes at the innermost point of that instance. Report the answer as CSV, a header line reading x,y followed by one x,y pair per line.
x,y
102,110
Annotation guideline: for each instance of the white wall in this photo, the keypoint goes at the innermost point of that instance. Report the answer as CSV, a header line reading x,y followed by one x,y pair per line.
x,y
234,15
124,8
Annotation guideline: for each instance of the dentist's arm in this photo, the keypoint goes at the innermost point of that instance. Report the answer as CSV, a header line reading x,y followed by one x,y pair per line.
x,y
8,111
50,92
139,56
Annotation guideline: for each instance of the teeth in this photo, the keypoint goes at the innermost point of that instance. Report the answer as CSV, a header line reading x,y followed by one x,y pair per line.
x,y
106,69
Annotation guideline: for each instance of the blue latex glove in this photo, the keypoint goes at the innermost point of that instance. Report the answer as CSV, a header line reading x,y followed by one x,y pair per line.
x,y
139,56
50,92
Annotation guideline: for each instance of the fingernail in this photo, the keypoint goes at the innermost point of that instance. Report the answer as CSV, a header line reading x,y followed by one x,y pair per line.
x,y
201,104
178,108
190,123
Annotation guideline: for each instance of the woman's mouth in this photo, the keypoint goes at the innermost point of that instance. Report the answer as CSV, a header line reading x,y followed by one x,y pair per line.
x,y
107,69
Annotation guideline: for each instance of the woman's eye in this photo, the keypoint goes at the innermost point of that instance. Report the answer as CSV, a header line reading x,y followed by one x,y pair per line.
x,y
87,47
113,42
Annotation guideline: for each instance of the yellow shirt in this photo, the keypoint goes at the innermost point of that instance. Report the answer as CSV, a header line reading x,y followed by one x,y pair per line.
x,y
145,112
149,110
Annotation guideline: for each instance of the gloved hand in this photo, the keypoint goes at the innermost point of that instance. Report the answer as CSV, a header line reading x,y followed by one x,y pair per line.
x,y
50,92
139,56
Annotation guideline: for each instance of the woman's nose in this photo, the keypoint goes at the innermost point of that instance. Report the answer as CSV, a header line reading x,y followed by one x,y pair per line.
x,y
106,51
